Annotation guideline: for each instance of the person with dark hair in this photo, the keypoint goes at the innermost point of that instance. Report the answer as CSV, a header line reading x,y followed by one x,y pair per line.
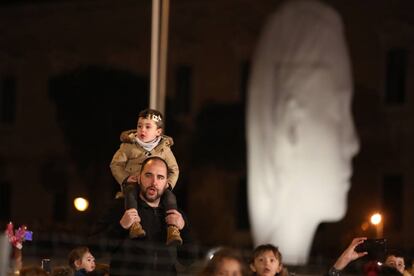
x,y
347,256
393,265
267,260
225,261
81,260
138,144
149,254
395,259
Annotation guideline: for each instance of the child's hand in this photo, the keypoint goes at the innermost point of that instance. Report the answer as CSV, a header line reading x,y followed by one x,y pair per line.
x,y
132,179
130,216
175,218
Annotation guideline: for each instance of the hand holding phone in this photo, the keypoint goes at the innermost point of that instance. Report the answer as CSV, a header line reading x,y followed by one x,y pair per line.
x,y
376,248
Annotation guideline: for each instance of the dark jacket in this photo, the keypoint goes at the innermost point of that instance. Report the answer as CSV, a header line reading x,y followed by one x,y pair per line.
x,y
128,159
143,256
80,272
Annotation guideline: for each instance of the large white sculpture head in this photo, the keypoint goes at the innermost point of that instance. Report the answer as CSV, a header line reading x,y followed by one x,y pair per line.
x,y
301,136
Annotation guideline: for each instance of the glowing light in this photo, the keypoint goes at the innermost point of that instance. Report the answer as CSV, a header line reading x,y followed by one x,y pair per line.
x,y
81,204
376,218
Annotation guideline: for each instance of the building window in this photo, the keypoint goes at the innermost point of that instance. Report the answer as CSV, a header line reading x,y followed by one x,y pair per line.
x,y
183,92
7,100
396,76
392,202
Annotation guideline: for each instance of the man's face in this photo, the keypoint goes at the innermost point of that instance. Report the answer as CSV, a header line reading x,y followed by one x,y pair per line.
x,y
153,181
396,262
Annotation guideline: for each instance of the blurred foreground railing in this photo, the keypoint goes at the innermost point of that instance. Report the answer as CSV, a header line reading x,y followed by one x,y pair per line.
x,y
57,245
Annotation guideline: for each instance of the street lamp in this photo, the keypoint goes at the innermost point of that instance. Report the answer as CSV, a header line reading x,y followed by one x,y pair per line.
x,y
81,204
376,220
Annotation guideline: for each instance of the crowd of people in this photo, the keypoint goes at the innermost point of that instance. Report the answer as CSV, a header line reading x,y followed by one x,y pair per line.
x,y
264,260
145,233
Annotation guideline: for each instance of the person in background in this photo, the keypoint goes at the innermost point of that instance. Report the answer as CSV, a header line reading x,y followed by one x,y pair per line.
x,y
81,260
267,260
347,256
226,262
395,259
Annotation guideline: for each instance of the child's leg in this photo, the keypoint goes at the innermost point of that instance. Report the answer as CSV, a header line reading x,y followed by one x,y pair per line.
x,y
131,193
169,201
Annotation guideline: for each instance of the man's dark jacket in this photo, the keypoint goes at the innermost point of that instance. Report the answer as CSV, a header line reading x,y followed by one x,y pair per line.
x,y
142,256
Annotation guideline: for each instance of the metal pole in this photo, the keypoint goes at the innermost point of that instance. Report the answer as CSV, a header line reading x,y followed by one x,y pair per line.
x,y
154,53
163,55
159,47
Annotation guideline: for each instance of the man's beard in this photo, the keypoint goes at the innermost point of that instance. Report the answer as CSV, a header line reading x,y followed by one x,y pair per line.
x,y
152,198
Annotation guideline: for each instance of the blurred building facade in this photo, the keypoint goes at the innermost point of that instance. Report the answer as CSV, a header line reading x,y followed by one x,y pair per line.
x,y
67,46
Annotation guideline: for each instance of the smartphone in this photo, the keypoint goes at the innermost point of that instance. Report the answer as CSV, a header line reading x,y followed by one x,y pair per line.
x,y
376,248
46,265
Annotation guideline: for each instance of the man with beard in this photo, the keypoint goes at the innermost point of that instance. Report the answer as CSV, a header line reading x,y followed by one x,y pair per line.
x,y
148,255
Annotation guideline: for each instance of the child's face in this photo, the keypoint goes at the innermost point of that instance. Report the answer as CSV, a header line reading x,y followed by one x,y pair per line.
x,y
266,264
396,262
87,262
147,130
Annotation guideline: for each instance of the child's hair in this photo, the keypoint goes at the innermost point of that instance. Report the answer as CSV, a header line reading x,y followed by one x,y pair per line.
x,y
266,247
154,115
224,253
77,254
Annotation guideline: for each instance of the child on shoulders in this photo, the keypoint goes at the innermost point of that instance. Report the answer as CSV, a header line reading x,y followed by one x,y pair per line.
x,y
137,145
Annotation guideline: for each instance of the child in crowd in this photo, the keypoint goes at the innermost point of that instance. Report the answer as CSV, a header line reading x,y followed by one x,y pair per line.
x,y
81,260
225,261
147,140
267,260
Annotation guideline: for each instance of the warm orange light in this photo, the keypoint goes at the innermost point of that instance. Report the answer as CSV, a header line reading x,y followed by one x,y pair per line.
x,y
365,226
376,218
81,204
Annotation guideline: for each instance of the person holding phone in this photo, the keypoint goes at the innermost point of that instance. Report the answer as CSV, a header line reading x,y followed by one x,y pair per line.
x,y
347,256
